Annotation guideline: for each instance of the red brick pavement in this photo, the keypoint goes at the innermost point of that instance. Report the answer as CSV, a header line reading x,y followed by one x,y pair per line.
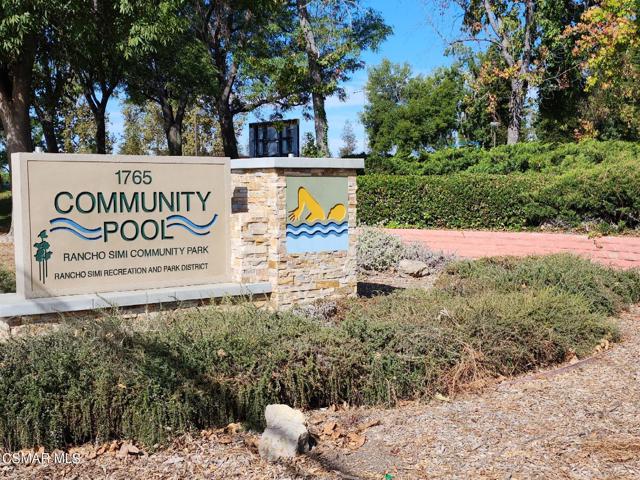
x,y
623,252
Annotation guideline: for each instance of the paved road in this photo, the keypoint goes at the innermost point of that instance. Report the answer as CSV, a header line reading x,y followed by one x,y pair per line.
x,y
621,251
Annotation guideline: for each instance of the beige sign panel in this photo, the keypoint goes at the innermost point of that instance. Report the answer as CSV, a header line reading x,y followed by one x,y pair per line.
x,y
96,223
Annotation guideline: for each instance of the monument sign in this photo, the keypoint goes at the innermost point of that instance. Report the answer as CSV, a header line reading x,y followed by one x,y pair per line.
x,y
96,223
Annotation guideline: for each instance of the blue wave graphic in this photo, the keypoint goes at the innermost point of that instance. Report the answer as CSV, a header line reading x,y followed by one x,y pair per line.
x,y
190,223
333,233
189,229
76,233
75,225
315,226
319,228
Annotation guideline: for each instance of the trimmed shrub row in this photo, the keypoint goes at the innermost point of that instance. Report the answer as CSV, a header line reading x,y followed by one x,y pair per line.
x,y
608,192
522,157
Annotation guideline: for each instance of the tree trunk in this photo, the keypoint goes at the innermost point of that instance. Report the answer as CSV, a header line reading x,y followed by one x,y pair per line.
x,y
15,100
174,138
101,131
516,109
321,124
227,130
172,124
315,71
49,132
99,109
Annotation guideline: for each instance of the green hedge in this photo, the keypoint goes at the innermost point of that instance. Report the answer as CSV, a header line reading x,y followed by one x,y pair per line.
x,y
522,157
608,193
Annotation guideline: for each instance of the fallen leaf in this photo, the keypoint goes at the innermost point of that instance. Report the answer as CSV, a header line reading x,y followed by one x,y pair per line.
x,y
233,428
369,424
251,442
225,440
172,460
329,427
442,398
355,440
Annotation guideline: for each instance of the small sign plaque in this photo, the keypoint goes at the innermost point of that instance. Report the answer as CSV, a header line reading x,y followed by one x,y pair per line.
x,y
96,223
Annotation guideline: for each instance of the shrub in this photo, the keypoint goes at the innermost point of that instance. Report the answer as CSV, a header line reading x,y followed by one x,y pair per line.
x,y
504,159
7,280
605,290
5,210
380,251
111,377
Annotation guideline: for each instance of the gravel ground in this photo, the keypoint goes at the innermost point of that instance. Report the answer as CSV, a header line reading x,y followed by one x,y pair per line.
x,y
579,421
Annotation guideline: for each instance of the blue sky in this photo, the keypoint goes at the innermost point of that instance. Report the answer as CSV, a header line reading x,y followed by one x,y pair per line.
x,y
420,35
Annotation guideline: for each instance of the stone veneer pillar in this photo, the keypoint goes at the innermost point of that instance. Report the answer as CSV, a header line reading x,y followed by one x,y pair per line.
x,y
258,231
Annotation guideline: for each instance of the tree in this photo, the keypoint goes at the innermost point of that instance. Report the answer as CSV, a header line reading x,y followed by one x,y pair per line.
x,y
309,148
202,134
20,24
334,34
255,60
172,71
133,136
484,107
97,52
349,141
53,86
607,43
78,133
512,26
406,114
561,93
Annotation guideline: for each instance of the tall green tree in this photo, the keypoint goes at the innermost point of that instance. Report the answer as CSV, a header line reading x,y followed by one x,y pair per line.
x,y
405,114
21,24
172,78
561,92
54,89
256,62
101,35
173,70
334,33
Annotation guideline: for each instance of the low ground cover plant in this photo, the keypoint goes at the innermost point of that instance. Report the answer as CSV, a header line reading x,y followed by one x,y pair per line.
x,y
148,381
379,251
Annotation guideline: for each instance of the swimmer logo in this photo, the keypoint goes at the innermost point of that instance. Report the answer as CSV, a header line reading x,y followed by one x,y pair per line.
x,y
317,214
43,255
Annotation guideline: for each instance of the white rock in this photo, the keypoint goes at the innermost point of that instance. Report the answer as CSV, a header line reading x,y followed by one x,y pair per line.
x,y
415,268
286,434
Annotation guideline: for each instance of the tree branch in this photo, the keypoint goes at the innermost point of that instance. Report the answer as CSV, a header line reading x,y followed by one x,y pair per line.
x,y
496,25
